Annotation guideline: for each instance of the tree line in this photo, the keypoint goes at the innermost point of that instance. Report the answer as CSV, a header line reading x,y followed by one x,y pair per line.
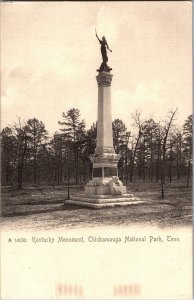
x,y
154,151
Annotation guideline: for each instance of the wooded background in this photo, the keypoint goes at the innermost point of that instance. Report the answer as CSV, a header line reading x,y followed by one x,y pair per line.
x,y
150,151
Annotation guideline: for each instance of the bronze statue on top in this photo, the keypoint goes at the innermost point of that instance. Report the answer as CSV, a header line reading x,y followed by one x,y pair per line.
x,y
104,45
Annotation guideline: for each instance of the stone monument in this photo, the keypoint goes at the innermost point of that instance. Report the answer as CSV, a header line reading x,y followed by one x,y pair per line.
x,y
105,189
105,160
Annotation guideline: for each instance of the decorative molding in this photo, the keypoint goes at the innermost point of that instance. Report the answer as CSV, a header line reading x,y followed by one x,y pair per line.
x,y
104,79
105,158
105,149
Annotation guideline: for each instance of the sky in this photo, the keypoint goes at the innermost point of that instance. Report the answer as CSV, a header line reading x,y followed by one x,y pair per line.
x,y
50,55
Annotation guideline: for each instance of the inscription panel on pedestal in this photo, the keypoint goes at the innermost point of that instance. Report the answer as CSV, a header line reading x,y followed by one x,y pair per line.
x,y
109,172
97,172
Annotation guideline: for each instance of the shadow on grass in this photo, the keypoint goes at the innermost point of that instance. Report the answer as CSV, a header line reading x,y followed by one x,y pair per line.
x,y
40,202
26,213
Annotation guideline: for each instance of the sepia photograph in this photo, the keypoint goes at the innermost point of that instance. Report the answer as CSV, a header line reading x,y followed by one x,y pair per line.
x,y
96,150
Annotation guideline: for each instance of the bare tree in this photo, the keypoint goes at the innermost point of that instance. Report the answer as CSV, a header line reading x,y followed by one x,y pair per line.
x,y
138,123
22,139
187,142
166,130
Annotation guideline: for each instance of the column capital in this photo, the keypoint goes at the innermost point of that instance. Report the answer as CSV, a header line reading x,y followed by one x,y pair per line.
x,y
104,79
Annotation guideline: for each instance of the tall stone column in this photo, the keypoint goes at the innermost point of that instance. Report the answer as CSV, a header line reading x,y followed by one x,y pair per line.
x,y
105,189
105,159
104,124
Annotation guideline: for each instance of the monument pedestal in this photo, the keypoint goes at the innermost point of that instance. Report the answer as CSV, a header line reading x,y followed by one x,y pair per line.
x,y
105,174
103,201
105,189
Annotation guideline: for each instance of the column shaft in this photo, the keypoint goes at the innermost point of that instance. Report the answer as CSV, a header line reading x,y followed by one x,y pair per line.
x,y
104,123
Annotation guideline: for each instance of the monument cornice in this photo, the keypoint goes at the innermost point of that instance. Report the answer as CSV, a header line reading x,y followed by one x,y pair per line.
x,y
104,79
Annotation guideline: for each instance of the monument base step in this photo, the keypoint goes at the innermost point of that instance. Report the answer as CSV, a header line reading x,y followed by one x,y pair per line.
x,y
96,203
88,196
103,200
102,205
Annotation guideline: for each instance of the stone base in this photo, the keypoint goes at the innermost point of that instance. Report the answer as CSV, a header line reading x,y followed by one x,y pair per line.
x,y
105,186
103,201
103,190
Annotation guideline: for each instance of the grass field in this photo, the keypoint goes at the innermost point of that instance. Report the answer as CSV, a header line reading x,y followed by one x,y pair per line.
x,y
45,208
